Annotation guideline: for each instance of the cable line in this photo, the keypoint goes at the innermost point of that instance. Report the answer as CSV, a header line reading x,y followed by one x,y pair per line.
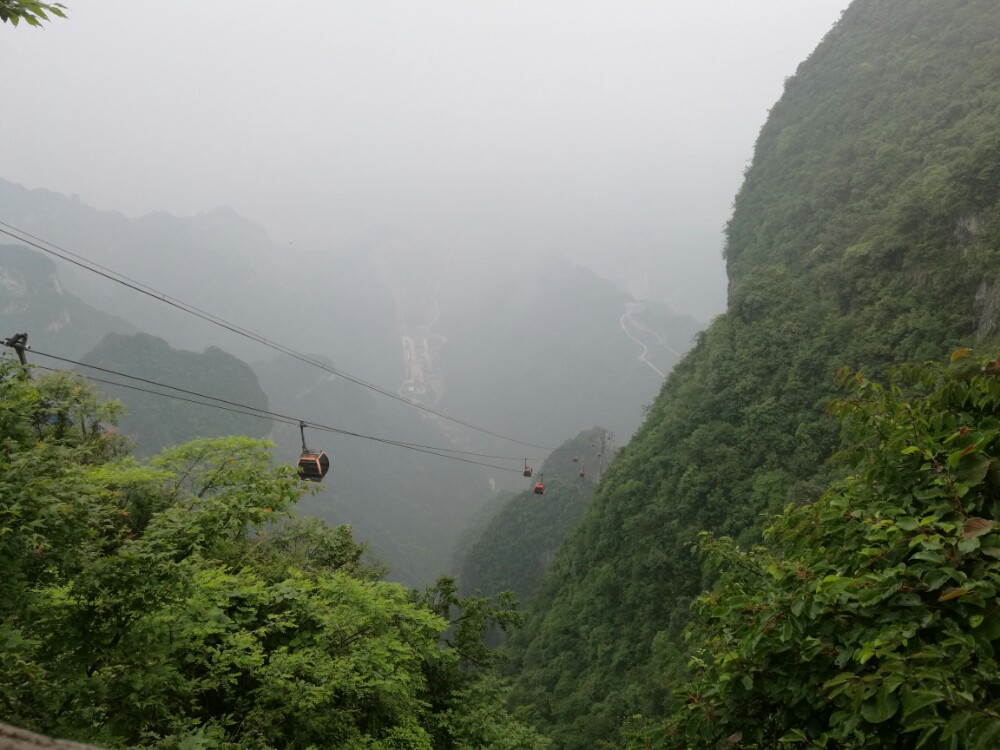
x,y
89,265
253,411
263,412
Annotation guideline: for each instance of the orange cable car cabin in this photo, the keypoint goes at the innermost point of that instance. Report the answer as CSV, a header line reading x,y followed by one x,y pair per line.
x,y
312,465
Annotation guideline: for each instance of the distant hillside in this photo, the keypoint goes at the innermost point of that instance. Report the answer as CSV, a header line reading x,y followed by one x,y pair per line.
x,y
33,300
866,233
517,545
156,422
559,350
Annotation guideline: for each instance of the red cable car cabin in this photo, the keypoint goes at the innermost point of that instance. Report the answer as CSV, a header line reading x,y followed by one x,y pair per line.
x,y
528,471
313,465
539,489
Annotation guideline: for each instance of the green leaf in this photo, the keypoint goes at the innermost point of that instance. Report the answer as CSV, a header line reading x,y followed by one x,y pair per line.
x,y
974,469
985,738
882,708
914,700
955,725
968,545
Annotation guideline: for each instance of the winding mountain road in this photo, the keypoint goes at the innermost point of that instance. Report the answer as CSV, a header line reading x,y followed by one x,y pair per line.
x,y
643,356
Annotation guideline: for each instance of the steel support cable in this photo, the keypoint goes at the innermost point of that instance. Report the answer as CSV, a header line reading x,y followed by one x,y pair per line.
x,y
89,265
253,411
264,412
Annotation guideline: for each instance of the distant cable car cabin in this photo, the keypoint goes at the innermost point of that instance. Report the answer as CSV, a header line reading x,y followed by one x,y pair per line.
x,y
583,473
540,486
528,471
313,465
576,459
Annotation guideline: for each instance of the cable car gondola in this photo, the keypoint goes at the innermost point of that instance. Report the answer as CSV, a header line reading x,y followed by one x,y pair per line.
x,y
313,465
583,473
540,486
528,471
576,459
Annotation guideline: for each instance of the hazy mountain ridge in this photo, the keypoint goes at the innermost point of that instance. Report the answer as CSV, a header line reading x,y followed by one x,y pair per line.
x,y
225,264
32,300
157,422
576,361
866,233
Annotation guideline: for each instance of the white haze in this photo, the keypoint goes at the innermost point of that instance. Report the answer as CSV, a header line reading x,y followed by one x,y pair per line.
x,y
613,133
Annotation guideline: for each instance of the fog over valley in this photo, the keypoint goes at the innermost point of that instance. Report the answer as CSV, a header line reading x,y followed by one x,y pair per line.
x,y
507,214
498,132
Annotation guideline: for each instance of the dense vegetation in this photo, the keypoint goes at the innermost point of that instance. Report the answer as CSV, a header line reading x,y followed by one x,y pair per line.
x,y
867,233
870,618
180,603
517,545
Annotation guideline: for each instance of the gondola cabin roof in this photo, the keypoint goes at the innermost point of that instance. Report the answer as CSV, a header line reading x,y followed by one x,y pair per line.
x,y
313,466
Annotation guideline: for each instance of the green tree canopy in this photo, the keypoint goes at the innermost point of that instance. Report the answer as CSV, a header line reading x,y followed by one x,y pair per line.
x,y
871,618
182,604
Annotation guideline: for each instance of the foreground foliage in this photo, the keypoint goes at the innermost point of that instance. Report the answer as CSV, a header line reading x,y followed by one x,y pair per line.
x,y
181,604
29,11
870,618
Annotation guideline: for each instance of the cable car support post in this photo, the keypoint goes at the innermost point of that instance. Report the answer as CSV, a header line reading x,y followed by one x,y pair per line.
x,y
18,342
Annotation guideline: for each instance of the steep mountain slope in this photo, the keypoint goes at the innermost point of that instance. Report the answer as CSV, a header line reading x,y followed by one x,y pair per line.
x,y
518,544
156,422
33,299
867,233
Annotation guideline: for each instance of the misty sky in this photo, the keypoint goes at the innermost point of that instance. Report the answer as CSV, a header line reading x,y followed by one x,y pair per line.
x,y
614,133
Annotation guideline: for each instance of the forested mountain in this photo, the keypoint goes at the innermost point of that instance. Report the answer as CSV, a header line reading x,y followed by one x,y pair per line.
x,y
867,233
180,603
156,422
33,300
517,545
